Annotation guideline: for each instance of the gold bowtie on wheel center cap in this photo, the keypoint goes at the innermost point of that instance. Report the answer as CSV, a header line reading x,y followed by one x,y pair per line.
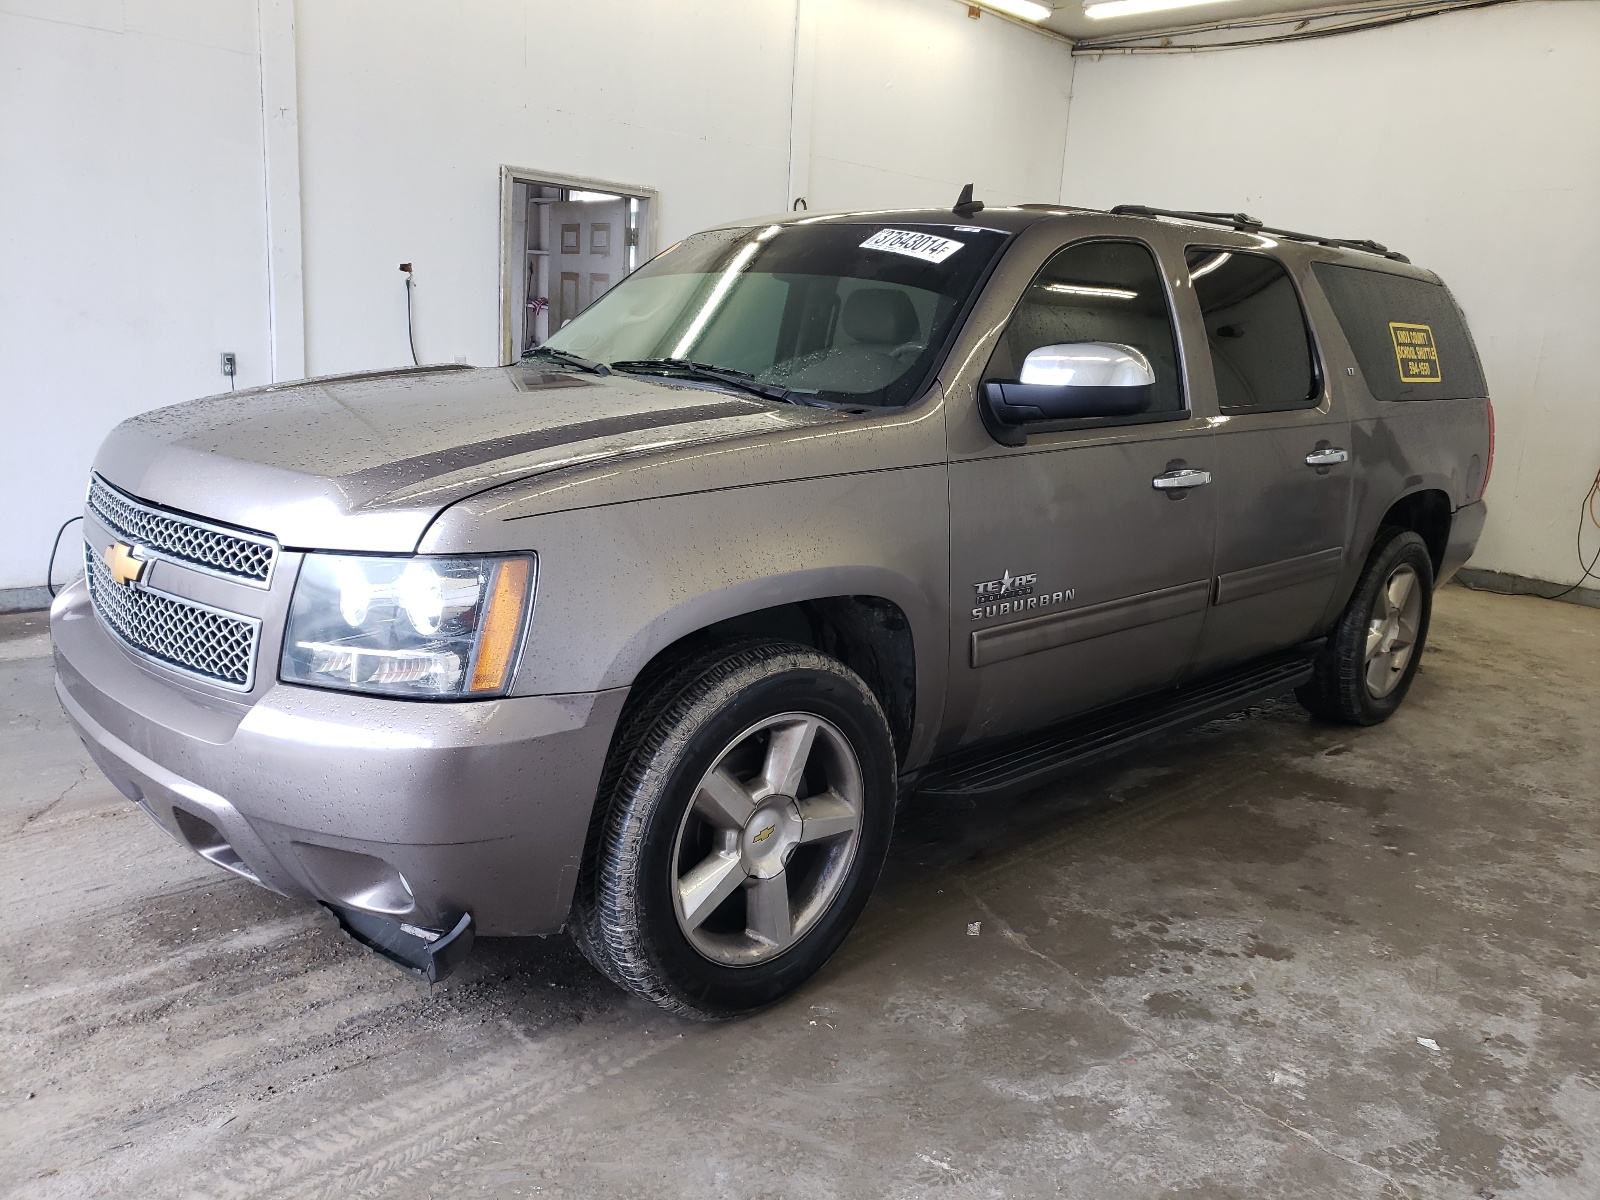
x,y
770,836
124,564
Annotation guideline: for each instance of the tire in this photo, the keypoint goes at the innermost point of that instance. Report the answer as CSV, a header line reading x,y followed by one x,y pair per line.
x,y
1366,668
742,820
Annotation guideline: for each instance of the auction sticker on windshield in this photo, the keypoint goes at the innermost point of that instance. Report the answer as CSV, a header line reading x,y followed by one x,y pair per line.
x,y
926,246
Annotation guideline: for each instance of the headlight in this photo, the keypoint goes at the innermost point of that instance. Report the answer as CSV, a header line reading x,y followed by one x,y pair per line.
x,y
427,627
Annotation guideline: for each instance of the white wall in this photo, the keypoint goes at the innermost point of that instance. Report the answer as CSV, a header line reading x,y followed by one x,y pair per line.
x,y
1471,142
135,248
960,101
132,235
408,108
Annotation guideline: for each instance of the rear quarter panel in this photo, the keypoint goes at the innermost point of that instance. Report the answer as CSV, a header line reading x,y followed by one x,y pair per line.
x,y
1397,449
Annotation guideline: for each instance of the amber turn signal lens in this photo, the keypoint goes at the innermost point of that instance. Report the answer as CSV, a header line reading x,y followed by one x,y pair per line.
x,y
501,624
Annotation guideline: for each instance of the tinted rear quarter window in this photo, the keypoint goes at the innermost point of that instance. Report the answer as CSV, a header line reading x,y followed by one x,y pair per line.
x,y
1407,334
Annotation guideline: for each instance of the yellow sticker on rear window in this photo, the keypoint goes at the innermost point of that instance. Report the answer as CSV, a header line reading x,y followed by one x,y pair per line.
x,y
1415,352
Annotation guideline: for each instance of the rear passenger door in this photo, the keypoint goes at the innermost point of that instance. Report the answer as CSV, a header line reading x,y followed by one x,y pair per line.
x,y
1282,474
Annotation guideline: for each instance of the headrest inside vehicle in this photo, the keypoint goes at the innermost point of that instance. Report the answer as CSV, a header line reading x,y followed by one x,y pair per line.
x,y
880,317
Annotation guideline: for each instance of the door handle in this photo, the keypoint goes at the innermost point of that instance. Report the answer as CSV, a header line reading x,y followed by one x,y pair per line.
x,y
1328,457
1174,481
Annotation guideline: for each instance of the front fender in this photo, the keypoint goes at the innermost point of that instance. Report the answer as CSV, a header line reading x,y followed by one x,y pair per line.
x,y
619,583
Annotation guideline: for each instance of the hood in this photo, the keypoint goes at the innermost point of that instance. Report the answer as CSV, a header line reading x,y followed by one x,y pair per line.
x,y
365,462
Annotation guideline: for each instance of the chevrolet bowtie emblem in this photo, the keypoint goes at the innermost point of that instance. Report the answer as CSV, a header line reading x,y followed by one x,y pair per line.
x,y
124,566
764,834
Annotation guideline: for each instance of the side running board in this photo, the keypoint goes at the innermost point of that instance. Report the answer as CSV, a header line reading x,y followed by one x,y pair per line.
x,y
1016,764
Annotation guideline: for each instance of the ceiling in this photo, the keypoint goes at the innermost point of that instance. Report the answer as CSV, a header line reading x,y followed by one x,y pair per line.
x,y
1068,16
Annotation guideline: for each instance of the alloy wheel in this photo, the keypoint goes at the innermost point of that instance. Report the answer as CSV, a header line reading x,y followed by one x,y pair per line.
x,y
1392,630
768,838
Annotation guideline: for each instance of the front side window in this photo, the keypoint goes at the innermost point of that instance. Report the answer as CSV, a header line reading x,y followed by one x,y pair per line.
x,y
845,312
1260,344
1109,293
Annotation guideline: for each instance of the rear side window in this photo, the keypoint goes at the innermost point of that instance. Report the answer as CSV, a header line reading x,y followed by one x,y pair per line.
x,y
1260,345
1407,334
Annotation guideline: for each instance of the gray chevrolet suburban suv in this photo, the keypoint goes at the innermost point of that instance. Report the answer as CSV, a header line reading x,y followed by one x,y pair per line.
x,y
645,635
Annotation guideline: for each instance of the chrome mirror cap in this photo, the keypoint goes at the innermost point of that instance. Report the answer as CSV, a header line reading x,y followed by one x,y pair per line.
x,y
1088,364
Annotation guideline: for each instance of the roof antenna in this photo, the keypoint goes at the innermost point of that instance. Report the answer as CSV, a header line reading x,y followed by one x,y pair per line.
x,y
966,206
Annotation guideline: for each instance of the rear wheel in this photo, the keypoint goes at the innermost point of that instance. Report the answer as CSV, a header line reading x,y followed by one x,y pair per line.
x,y
1371,657
747,811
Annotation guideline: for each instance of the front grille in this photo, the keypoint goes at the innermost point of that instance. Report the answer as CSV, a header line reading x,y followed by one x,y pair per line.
x,y
231,552
202,641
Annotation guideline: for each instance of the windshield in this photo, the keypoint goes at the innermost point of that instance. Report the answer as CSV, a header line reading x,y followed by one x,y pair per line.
x,y
852,313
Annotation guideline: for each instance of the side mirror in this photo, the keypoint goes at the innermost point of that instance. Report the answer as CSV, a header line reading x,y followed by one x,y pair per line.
x,y
1083,379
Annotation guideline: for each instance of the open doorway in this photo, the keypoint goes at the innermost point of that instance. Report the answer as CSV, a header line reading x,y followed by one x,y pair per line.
x,y
564,243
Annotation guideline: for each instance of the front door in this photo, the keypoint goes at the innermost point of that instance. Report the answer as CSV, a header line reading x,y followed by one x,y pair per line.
x,y
1282,474
1078,576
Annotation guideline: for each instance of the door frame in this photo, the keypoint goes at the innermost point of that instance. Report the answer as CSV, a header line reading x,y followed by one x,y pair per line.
x,y
1332,409
509,178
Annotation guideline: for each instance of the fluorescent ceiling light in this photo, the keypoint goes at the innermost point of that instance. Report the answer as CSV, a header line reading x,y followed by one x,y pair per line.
x,y
1129,8
1026,9
1210,266
1079,289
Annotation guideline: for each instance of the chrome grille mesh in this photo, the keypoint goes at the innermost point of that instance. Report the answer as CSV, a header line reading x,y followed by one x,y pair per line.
x,y
228,552
189,636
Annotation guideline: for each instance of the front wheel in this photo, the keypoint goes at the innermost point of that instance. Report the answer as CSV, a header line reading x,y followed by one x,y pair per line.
x,y
1371,657
748,807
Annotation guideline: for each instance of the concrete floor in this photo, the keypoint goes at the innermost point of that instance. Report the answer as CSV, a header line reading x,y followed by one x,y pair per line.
x,y
1274,958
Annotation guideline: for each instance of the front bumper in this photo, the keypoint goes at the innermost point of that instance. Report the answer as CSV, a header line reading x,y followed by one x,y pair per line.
x,y
414,811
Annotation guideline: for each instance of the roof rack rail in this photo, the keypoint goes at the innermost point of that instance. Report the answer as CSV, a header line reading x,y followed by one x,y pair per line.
x,y
1245,223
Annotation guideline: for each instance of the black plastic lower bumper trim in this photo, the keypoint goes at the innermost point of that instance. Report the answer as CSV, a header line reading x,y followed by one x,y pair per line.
x,y
428,957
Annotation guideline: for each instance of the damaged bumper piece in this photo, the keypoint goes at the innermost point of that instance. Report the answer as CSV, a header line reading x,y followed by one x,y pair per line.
x,y
430,954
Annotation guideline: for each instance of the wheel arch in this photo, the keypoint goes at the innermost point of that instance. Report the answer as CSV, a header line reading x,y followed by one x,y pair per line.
x,y
869,634
1424,510
870,629
1427,513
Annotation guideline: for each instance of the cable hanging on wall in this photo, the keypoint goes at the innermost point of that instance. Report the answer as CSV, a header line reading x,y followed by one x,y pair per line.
x,y
411,325
1586,516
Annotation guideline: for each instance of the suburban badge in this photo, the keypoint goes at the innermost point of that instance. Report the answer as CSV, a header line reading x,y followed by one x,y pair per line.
x,y
1014,594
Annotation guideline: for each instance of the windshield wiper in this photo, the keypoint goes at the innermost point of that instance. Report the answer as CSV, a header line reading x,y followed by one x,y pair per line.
x,y
712,373
569,360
